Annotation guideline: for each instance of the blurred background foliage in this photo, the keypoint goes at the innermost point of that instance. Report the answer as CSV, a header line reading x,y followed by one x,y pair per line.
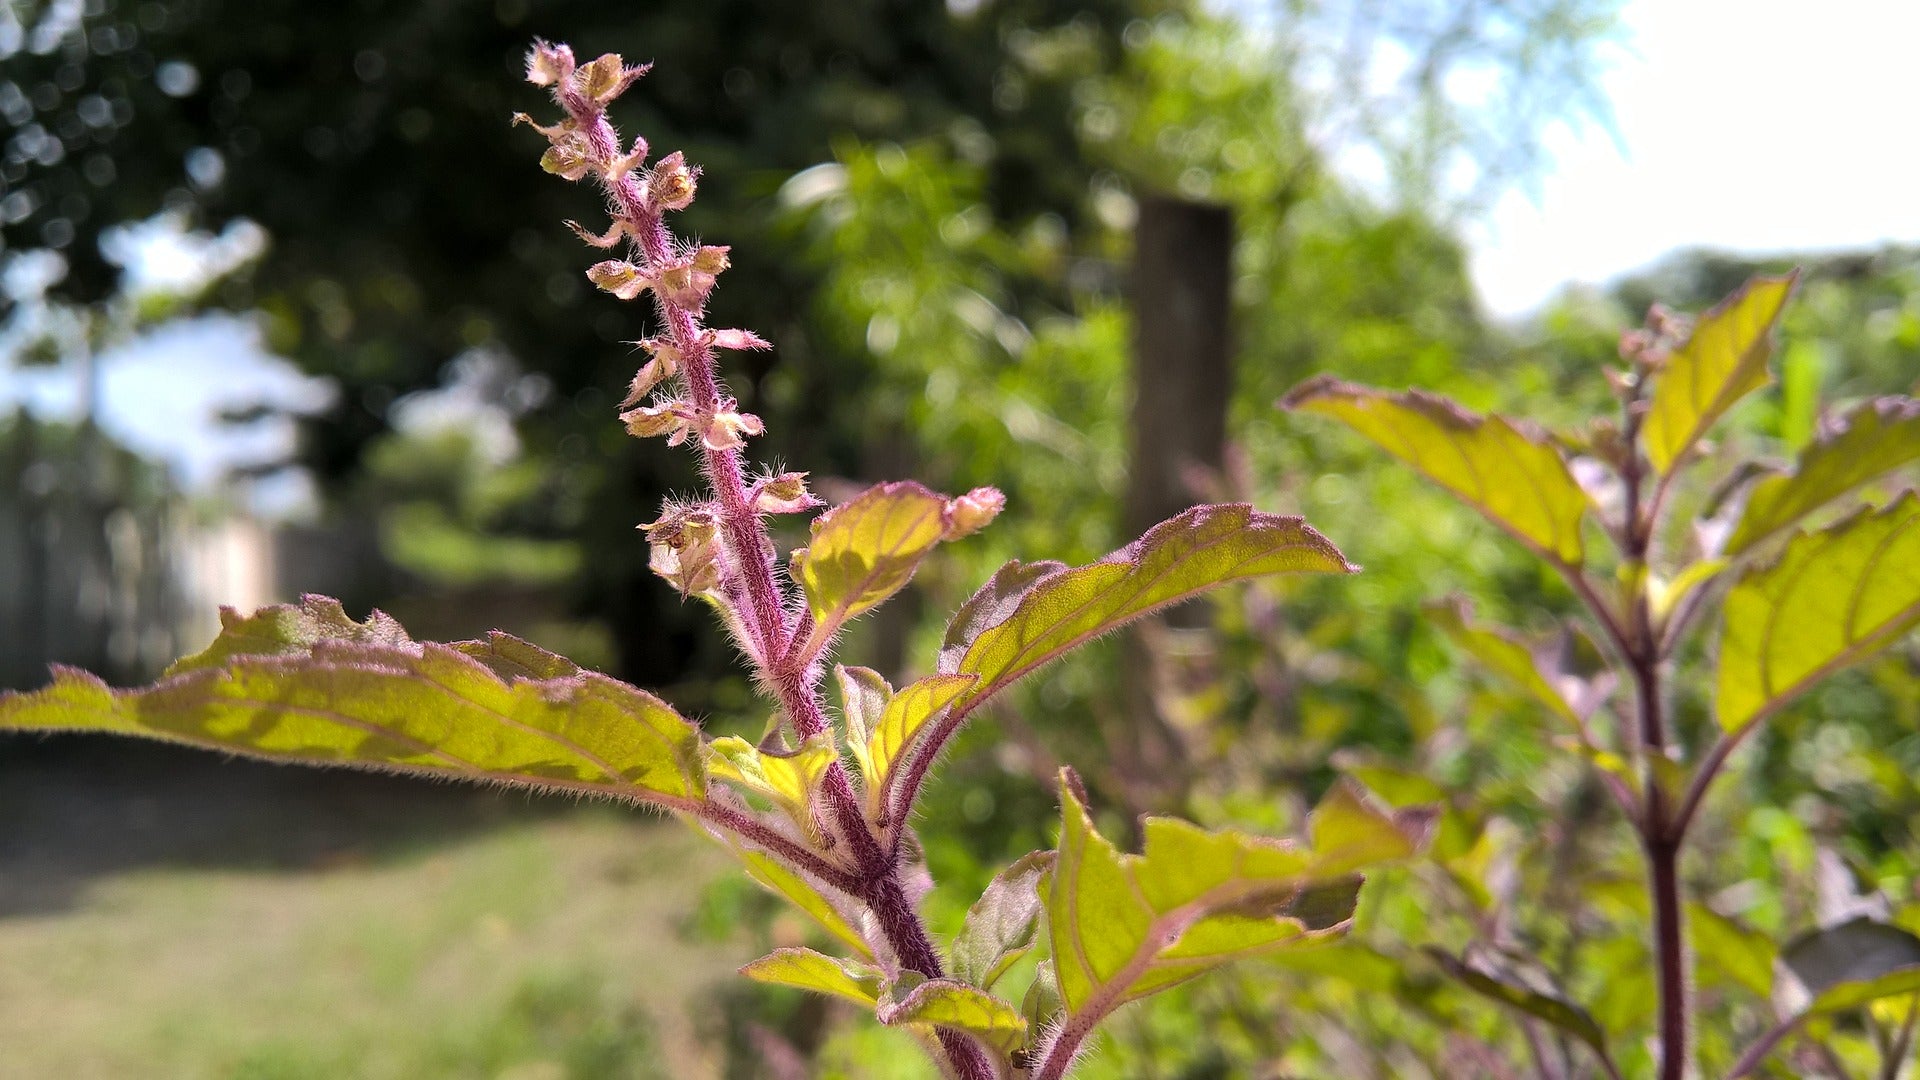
x,y
931,208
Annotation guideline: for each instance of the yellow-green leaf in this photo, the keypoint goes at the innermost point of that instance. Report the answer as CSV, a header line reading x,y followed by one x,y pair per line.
x,y
306,684
1503,654
804,969
1503,468
798,891
944,1003
789,780
1014,632
1871,441
1126,926
1000,925
865,550
882,725
1724,360
1833,598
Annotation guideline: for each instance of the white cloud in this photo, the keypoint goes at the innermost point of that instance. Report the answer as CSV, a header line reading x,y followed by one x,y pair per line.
x,y
1752,126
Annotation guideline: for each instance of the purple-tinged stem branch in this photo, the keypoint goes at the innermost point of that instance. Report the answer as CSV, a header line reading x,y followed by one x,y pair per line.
x,y
769,630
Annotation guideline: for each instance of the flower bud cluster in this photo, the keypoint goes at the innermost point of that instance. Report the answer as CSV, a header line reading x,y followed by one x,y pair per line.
x,y
676,394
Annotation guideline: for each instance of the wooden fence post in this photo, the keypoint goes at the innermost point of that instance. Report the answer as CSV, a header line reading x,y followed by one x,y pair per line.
x,y
1181,294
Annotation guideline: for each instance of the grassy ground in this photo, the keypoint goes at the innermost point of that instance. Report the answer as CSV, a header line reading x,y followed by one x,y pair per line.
x,y
545,949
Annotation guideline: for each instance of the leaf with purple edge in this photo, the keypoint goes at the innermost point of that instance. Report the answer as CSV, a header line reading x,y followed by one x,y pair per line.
x,y
945,1003
308,685
863,551
1507,470
1123,927
1722,361
1833,598
1878,437
1197,550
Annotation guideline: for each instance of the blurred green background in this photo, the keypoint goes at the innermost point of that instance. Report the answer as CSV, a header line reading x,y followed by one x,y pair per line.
x,y
318,210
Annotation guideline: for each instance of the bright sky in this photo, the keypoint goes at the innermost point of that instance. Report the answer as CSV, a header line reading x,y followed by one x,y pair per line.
x,y
1752,125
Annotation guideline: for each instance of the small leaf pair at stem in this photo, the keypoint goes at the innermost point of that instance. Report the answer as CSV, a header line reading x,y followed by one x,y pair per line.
x,y
1119,928
1792,611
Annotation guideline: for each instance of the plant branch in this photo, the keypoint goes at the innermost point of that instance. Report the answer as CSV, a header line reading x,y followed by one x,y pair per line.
x,y
746,576
1759,1050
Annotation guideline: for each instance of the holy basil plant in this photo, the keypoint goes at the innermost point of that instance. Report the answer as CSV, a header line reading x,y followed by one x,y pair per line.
x,y
820,811
1812,565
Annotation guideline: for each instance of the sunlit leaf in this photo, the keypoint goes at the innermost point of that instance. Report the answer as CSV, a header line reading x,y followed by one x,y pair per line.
x,y
788,780
294,629
1506,470
1178,558
1833,598
1503,654
1724,360
804,969
882,725
1869,442
1000,925
305,684
990,606
945,1003
865,550
820,906
1126,926
1488,976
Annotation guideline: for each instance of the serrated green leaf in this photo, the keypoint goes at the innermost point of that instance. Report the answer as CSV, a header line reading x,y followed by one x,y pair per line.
x,y
819,906
1724,360
305,684
1495,981
865,550
1000,925
1871,441
990,605
1503,654
944,1003
804,969
1833,598
1015,632
1126,926
1741,953
789,780
291,630
1506,470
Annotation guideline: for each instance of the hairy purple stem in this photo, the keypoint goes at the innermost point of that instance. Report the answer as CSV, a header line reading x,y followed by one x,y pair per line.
x,y
769,628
